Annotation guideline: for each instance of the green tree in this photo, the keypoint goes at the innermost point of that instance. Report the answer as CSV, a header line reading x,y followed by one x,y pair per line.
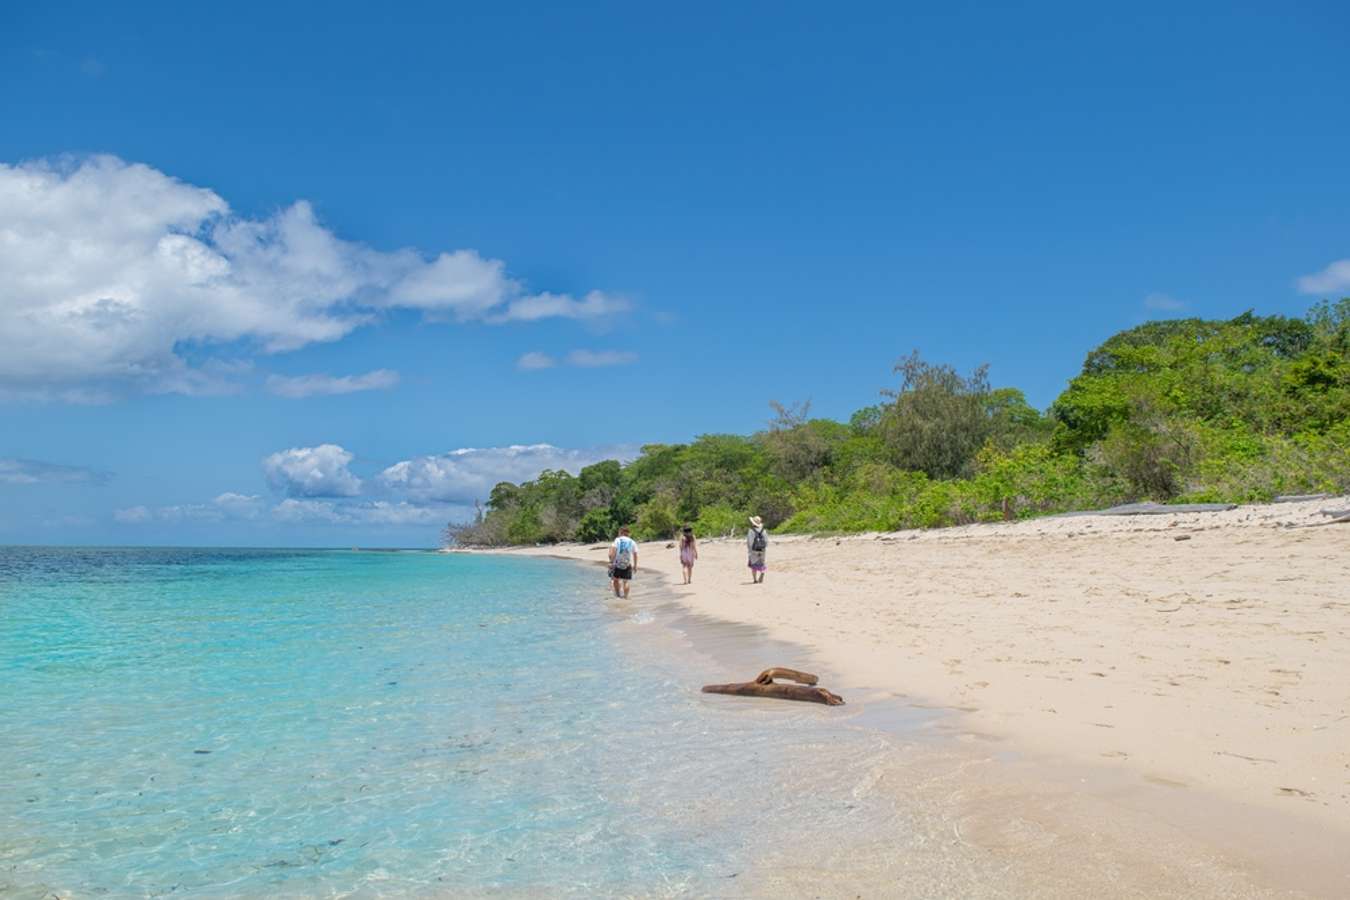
x,y
799,446
938,419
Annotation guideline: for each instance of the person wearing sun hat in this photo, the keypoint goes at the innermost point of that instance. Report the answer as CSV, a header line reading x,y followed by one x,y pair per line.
x,y
757,540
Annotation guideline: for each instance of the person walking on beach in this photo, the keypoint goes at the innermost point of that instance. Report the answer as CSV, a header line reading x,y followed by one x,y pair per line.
x,y
623,562
758,542
688,553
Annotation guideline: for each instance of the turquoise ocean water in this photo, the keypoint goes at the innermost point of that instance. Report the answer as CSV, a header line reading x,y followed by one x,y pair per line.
x,y
331,723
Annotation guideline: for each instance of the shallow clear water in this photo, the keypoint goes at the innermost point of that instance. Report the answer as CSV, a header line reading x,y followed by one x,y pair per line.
x,y
252,722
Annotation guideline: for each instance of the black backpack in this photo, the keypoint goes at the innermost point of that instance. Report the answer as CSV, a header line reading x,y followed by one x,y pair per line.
x,y
759,541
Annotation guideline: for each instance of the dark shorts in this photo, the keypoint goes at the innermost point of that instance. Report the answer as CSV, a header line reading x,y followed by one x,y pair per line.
x,y
621,574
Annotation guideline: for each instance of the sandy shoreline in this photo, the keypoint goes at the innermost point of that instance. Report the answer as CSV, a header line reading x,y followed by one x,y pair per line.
x,y
1201,684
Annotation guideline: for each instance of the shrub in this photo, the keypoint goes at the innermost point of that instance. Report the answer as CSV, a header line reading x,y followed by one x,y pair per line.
x,y
1237,465
597,525
1028,480
524,527
1152,457
720,520
656,520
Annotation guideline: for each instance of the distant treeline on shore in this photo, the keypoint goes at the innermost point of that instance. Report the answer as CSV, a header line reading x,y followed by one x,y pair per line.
x,y
1178,410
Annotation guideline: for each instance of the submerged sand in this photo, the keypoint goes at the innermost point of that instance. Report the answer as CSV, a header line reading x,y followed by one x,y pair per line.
x,y
1152,705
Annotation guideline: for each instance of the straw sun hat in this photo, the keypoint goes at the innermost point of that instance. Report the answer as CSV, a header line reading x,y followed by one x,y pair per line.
x,y
757,521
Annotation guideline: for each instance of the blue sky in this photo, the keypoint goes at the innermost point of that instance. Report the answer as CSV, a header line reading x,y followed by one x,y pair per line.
x,y
267,268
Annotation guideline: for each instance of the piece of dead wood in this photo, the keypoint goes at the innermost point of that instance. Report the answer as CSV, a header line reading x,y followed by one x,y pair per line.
x,y
777,692
768,676
1242,756
1339,520
1152,509
764,686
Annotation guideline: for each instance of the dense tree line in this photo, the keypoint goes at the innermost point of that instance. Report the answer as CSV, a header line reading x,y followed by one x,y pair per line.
x,y
1185,409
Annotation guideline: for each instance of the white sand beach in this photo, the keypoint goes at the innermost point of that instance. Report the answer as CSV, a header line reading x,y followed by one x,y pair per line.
x,y
1186,676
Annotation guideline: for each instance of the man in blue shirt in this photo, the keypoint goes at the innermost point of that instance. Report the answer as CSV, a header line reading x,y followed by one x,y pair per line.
x,y
623,562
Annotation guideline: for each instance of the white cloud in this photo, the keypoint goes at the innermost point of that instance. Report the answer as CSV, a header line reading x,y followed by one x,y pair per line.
x,y
591,359
31,471
312,472
233,506
226,506
376,512
188,511
381,512
586,359
1164,303
533,361
543,306
239,506
70,521
115,273
75,396
296,511
300,386
424,490
1334,279
133,514
460,284
462,476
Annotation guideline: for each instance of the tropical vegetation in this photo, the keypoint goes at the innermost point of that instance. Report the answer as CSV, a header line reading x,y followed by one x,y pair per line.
x,y
1180,410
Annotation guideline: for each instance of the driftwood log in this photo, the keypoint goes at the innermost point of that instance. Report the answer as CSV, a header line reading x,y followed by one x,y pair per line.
x,y
764,686
768,676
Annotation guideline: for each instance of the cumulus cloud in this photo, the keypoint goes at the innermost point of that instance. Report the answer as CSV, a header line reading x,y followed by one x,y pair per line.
x,y
531,362
70,521
239,506
586,359
226,506
424,490
116,275
248,507
133,514
31,471
591,359
299,386
543,306
1334,279
382,512
296,511
376,512
312,472
1164,303
462,476
188,512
